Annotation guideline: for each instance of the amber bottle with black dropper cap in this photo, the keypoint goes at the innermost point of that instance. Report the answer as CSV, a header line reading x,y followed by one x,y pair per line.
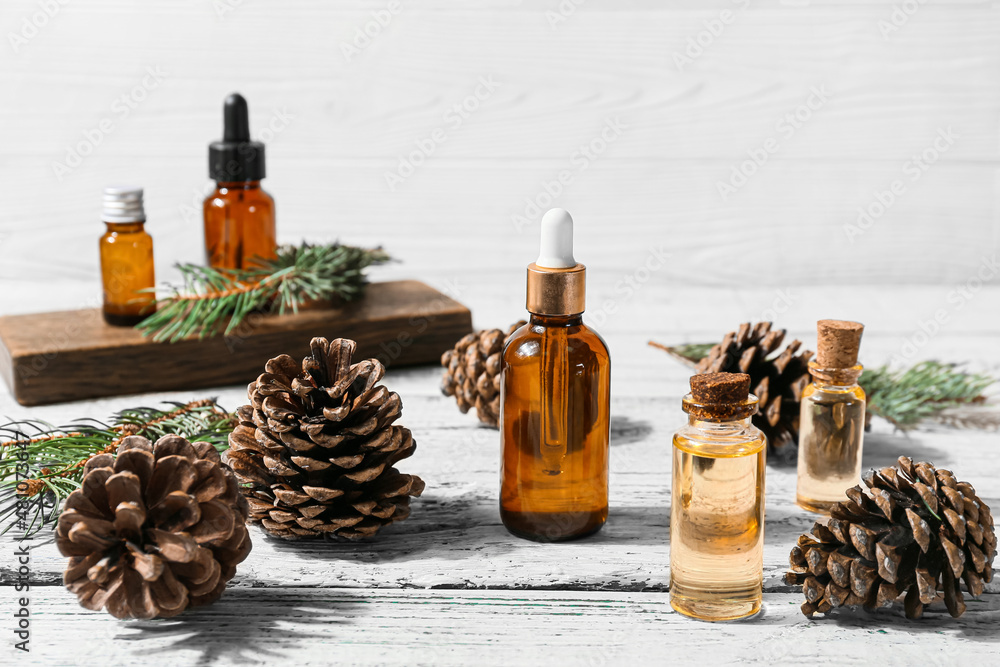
x,y
555,395
239,215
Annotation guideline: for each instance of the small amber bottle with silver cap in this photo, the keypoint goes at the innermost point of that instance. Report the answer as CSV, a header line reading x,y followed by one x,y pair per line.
x,y
126,258
555,402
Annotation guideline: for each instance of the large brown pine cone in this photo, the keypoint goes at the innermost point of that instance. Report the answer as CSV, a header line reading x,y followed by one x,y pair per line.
x,y
154,530
472,372
915,531
777,380
317,444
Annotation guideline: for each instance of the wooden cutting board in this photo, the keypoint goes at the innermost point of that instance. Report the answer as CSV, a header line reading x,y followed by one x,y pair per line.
x,y
73,355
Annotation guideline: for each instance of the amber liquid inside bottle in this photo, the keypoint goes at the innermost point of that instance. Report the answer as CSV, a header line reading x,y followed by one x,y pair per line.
x,y
717,520
831,436
239,225
554,430
126,269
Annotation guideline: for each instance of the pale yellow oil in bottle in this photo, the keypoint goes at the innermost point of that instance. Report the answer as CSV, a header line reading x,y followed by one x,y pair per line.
x,y
831,434
717,523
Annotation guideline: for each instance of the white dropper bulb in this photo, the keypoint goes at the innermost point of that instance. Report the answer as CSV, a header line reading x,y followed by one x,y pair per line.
x,y
556,248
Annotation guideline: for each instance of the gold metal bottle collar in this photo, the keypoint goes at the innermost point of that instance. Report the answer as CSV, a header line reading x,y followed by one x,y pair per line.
x,y
556,291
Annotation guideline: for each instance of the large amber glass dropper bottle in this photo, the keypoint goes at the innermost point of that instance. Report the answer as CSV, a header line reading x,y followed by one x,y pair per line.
x,y
239,215
555,398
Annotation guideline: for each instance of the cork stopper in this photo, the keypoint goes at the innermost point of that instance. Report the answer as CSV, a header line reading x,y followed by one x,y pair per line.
x,y
711,388
838,342
720,397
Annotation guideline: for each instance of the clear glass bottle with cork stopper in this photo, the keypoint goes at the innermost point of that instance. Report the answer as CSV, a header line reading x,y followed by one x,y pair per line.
x,y
717,502
239,215
832,418
555,403
126,258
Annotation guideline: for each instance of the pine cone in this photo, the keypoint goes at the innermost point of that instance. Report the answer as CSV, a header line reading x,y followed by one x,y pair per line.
x,y
776,380
915,531
317,446
154,530
472,372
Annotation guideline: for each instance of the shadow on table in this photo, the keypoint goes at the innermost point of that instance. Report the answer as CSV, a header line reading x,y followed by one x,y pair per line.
x,y
978,623
454,527
458,527
650,525
247,625
883,449
625,431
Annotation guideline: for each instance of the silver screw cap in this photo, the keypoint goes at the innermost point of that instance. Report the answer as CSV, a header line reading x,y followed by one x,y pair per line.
x,y
123,203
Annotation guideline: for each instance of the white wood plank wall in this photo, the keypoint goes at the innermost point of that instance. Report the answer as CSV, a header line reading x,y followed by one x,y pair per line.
x,y
563,70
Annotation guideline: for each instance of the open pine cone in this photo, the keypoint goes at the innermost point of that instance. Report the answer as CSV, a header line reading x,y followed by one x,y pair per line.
x,y
154,530
776,380
317,444
916,531
472,372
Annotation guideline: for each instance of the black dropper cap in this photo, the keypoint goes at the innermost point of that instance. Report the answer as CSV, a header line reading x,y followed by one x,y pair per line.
x,y
236,159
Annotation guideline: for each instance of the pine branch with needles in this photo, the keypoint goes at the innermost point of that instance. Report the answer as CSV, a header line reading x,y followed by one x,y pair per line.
x,y
40,465
924,391
930,390
689,355
213,301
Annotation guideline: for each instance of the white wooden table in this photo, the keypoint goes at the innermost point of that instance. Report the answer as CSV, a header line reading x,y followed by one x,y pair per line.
x,y
451,586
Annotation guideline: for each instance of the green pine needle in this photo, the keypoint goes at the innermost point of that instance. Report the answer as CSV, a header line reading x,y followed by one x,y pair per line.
x,y
904,398
693,351
213,301
51,458
921,392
